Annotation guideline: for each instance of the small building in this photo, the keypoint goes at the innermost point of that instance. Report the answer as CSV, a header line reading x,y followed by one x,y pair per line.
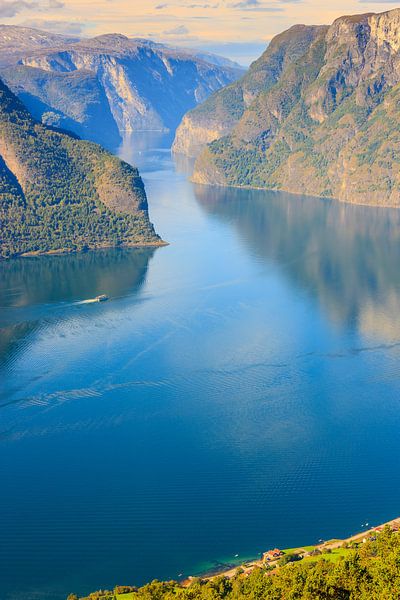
x,y
272,555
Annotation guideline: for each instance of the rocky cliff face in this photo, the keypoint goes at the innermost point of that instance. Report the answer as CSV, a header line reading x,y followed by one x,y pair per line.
x,y
329,126
106,86
60,193
217,116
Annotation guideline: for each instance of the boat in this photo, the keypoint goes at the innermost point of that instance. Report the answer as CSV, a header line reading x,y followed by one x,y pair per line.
x,y
101,298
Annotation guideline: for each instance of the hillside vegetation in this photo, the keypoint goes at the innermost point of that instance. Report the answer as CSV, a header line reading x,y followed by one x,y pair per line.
x,y
326,122
217,116
60,193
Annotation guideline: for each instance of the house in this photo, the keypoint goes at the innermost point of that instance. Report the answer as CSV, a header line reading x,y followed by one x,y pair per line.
x,y
272,555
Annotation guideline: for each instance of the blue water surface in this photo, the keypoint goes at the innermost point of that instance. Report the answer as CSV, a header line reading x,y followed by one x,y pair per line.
x,y
239,390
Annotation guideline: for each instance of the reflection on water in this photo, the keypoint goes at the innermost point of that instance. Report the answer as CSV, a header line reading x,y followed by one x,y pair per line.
x,y
29,281
35,288
345,255
238,390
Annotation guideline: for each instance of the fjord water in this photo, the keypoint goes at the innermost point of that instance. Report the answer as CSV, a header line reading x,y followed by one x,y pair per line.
x,y
239,390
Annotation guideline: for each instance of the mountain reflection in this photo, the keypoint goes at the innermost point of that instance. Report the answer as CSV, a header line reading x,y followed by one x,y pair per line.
x,y
33,285
27,281
344,255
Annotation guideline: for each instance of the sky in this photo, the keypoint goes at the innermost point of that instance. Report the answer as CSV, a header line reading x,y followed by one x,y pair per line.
x,y
239,29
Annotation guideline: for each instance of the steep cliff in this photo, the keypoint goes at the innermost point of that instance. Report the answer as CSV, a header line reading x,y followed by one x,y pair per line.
x,y
217,116
60,193
102,87
329,126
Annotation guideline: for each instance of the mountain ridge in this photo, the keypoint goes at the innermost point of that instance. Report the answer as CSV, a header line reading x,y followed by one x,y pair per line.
x,y
328,126
101,87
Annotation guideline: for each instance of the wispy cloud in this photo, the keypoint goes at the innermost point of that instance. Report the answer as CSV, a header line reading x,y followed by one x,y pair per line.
x,y
63,27
254,6
203,6
11,8
180,30
245,4
212,6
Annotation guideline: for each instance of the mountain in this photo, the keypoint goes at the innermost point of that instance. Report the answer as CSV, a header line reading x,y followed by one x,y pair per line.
x,y
99,88
218,115
17,41
59,193
214,59
325,123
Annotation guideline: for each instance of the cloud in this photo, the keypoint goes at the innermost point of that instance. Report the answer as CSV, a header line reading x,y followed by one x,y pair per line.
x,y
188,6
254,6
54,26
180,30
245,4
11,8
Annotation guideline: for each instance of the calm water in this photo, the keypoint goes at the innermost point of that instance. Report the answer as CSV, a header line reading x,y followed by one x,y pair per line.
x,y
240,389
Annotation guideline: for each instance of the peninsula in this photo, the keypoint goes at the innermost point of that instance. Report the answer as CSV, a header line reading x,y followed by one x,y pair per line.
x,y
61,194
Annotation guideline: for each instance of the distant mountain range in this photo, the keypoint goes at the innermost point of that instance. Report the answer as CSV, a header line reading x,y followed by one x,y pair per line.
x,y
102,87
318,113
59,193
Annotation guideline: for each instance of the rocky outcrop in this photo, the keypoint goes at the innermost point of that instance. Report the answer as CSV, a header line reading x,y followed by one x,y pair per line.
x,y
101,88
329,126
194,133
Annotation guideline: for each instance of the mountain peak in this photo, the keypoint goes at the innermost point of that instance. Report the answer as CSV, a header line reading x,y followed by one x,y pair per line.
x,y
111,37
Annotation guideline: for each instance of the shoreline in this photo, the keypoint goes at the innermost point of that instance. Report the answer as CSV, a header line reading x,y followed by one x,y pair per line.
x,y
332,551
292,193
66,251
326,547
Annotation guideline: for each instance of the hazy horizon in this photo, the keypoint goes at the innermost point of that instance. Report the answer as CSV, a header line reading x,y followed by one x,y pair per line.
x,y
237,29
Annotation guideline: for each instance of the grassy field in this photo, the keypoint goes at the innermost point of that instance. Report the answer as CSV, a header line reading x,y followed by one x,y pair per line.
x,y
332,556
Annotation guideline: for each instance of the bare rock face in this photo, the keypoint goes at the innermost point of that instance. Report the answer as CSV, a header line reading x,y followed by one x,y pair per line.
x,y
101,88
194,134
328,126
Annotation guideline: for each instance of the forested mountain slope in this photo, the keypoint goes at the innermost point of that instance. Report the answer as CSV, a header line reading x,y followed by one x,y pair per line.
x,y
328,126
60,193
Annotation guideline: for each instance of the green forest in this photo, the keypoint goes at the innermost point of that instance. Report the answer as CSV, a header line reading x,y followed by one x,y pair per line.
x,y
58,192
